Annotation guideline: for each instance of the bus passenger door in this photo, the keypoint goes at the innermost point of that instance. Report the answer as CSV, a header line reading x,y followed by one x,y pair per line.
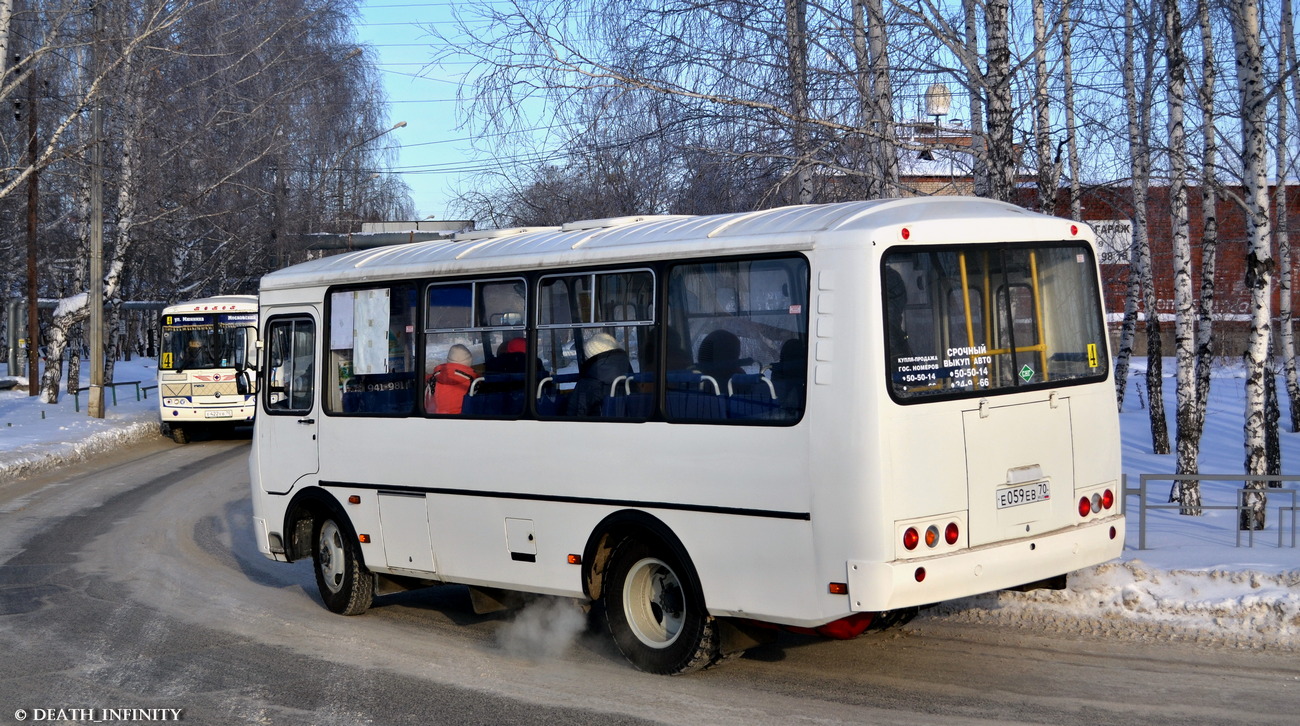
x,y
290,409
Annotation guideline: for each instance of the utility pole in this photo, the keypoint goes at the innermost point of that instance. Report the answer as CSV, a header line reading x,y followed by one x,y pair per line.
x,y
33,317
95,406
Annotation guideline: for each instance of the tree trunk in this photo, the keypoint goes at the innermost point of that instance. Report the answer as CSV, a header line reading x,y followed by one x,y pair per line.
x,y
1286,331
882,95
975,81
875,104
1047,167
1071,128
1139,126
796,37
1259,261
1188,433
1001,128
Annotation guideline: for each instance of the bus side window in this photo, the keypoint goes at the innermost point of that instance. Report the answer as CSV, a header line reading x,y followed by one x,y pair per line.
x,y
372,350
747,322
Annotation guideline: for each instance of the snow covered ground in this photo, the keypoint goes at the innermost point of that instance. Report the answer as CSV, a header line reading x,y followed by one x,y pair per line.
x,y
1191,583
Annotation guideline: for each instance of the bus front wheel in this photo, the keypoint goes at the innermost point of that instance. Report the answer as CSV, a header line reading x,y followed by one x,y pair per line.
x,y
345,584
656,613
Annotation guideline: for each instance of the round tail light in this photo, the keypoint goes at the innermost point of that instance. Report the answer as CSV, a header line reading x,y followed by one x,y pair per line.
x,y
1107,499
911,538
1085,506
950,533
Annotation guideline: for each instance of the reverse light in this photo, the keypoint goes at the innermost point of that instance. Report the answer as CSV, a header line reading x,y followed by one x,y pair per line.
x,y
1096,503
951,533
911,538
931,536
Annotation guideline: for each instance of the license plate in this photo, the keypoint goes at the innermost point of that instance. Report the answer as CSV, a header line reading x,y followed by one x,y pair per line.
x,y
216,414
1027,494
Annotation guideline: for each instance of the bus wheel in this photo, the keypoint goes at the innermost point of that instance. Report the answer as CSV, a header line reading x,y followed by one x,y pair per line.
x,y
346,586
179,435
656,613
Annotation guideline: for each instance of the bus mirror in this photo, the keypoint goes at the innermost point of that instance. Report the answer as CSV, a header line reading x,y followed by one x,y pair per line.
x,y
244,383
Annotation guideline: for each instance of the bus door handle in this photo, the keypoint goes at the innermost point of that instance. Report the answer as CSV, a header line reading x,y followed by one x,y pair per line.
x,y
306,420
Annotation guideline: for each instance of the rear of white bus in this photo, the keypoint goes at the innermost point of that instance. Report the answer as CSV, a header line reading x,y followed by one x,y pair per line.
x,y
999,437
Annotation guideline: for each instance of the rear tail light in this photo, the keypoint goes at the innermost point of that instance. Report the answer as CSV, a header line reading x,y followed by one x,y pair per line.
x,y
1085,506
950,533
1107,499
911,538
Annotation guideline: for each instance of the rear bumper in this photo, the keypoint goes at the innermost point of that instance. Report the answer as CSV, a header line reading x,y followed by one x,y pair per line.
x,y
881,586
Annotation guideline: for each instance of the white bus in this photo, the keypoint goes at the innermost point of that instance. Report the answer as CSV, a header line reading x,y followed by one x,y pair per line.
x,y
201,344
813,417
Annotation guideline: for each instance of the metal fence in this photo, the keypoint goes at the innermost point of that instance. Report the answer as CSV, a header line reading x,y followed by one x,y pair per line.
x,y
1277,493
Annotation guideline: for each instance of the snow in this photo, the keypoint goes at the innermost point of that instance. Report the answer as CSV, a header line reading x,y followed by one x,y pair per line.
x,y
1192,582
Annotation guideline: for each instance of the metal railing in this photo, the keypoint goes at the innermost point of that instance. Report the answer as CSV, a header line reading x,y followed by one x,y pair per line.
x,y
1245,511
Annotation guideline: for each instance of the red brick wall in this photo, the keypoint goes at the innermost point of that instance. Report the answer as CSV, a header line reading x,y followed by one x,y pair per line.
x,y
1231,295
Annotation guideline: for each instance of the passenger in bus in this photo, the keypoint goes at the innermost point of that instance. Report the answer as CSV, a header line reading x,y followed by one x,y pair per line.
x,y
450,381
719,357
512,357
605,362
895,303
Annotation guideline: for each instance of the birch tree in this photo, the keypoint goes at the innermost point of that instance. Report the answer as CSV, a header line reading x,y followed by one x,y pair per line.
x,y
1138,97
1286,328
1253,94
1188,431
1209,213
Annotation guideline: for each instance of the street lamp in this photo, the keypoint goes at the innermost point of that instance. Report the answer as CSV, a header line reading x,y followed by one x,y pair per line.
x,y
938,100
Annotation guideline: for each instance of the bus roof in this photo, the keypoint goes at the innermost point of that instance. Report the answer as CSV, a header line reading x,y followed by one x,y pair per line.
x,y
628,239
216,303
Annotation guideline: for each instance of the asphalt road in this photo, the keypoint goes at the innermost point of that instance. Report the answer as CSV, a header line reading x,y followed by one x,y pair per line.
x,y
133,583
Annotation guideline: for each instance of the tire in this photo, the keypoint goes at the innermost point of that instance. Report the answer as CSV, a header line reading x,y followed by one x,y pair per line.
x,y
179,435
656,613
345,584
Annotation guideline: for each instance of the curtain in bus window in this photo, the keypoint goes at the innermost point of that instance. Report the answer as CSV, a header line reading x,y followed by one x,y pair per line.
x,y
738,341
987,318
372,361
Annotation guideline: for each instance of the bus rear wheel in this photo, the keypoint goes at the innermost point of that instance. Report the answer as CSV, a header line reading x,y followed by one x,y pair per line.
x,y
345,584
179,435
655,611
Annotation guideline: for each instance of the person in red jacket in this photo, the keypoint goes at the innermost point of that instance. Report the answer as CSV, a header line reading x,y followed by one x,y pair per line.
x,y
450,381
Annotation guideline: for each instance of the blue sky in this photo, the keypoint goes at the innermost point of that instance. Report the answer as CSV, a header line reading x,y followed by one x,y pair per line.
x,y
434,154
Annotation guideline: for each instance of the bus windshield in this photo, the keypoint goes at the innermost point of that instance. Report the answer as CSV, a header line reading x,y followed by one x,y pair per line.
x,y
991,319
200,341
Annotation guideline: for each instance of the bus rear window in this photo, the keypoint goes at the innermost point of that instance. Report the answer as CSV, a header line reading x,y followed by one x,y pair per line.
x,y
993,318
